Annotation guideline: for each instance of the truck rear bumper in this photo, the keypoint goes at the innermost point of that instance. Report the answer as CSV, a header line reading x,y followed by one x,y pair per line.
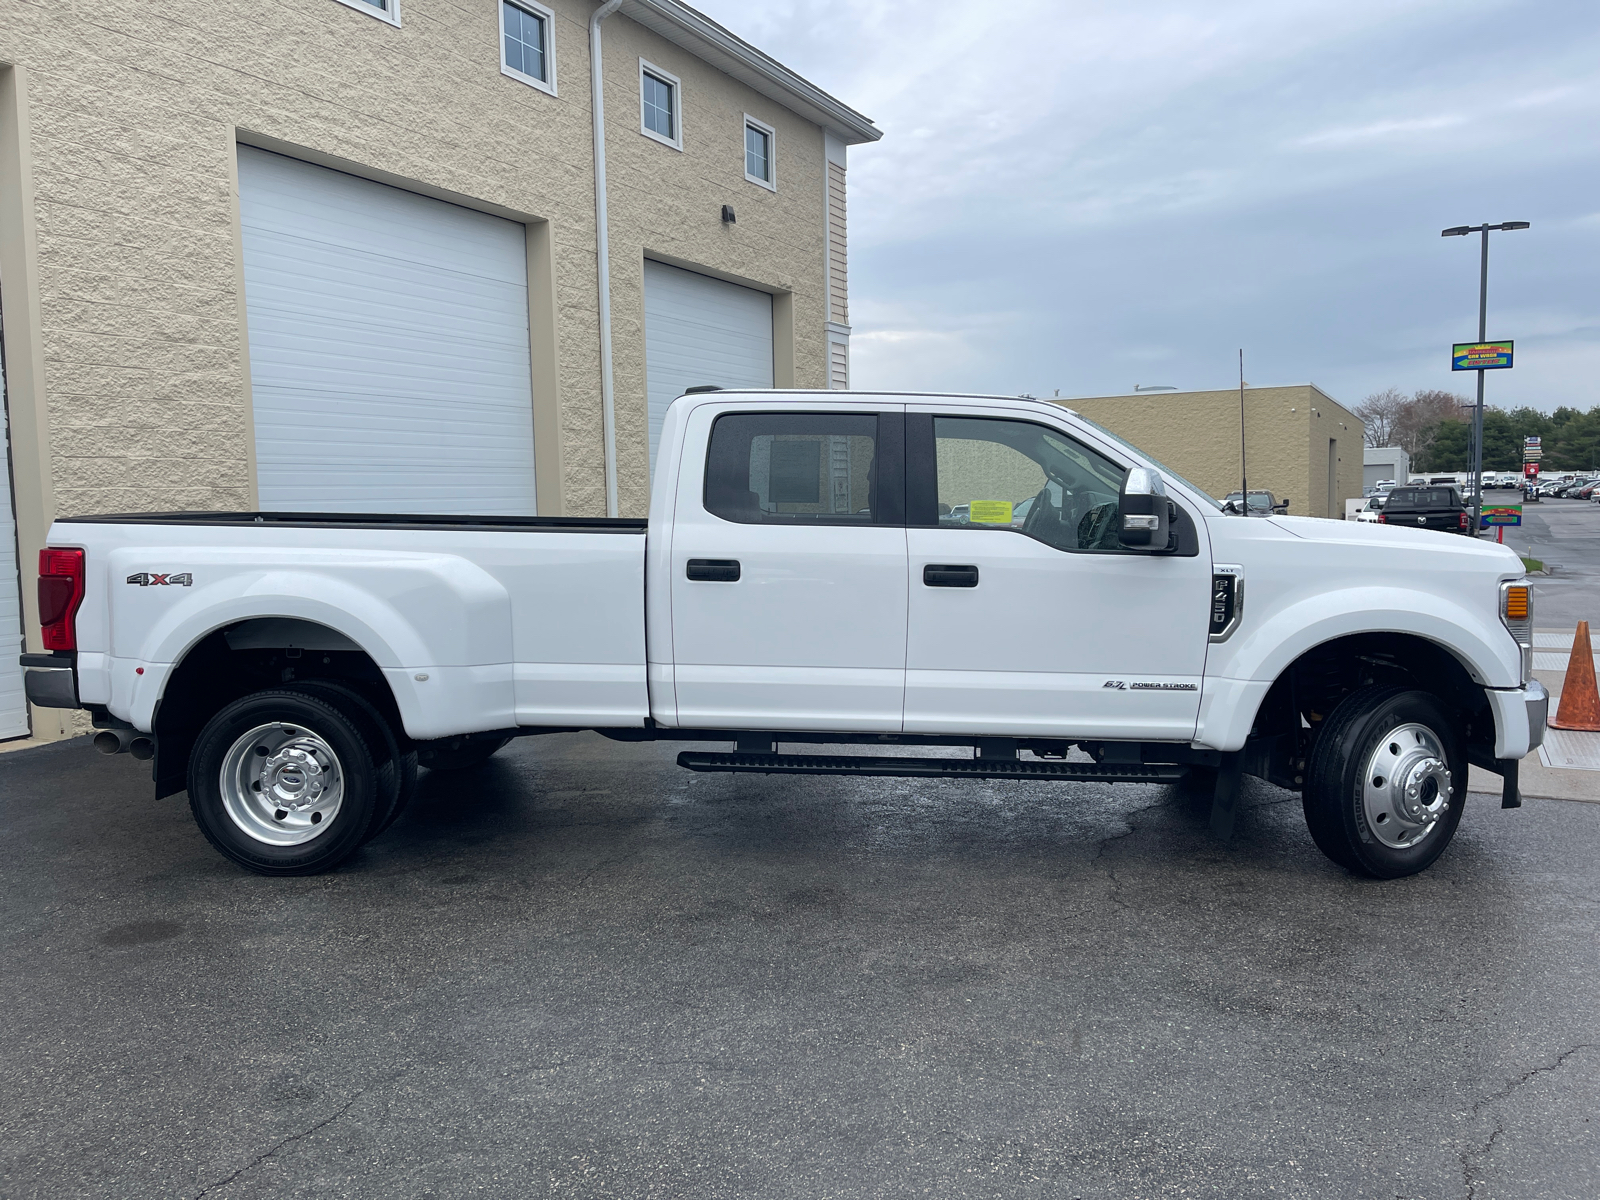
x,y
50,681
1520,715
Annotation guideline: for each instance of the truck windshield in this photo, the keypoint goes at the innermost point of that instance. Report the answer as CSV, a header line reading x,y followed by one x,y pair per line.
x,y
1165,470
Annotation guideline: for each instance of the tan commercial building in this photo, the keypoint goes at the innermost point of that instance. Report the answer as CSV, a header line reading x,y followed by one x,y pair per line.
x,y
344,255
1299,442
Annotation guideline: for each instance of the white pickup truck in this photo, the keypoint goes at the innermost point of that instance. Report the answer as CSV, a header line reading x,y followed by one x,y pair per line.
x,y
818,567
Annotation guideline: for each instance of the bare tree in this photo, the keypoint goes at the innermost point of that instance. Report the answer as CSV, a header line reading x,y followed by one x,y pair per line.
x,y
1421,415
1380,412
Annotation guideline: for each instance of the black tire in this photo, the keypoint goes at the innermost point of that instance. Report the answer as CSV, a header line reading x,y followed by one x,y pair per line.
x,y
1336,783
364,774
471,752
401,752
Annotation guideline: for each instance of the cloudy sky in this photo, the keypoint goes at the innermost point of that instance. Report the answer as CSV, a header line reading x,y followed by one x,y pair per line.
x,y
1087,195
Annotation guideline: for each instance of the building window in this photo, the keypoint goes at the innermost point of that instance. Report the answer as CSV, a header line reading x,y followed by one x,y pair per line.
x,y
660,105
759,144
525,49
384,10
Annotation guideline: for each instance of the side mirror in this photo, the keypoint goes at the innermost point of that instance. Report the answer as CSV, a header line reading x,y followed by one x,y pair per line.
x,y
1282,507
1144,512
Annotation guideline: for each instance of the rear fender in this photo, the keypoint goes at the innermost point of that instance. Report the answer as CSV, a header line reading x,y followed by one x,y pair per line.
x,y
433,616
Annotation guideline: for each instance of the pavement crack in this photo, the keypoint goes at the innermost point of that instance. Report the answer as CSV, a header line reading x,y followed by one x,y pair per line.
x,y
603,864
1468,1183
1105,842
294,1137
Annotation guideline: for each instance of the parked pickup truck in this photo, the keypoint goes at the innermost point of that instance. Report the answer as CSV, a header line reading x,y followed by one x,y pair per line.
x,y
1433,507
803,579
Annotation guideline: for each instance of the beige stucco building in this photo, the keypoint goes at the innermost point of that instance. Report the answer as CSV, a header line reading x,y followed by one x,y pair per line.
x,y
343,254
1299,442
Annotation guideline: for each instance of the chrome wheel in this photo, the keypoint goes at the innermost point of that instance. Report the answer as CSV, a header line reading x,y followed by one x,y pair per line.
x,y
282,784
1407,788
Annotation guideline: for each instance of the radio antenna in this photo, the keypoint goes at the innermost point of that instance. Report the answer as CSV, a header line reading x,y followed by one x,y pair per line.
x,y
1244,476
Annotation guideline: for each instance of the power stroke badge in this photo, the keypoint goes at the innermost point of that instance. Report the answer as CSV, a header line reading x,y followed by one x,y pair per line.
x,y
152,579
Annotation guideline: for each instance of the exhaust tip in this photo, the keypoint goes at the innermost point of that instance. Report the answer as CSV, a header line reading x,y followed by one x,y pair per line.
x,y
108,742
142,748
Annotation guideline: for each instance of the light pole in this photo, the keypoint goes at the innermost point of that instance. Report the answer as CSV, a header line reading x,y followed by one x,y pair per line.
x,y
1483,334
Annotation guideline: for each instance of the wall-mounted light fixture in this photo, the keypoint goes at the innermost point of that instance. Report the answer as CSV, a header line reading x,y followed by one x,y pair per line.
x,y
727,214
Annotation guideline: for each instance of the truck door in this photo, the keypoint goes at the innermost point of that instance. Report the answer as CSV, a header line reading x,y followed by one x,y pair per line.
x,y
1026,618
788,569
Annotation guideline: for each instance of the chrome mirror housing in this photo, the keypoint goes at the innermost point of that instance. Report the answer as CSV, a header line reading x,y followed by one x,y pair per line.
x,y
1144,512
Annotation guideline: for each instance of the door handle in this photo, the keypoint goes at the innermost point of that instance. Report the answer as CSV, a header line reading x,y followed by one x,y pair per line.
x,y
942,575
714,570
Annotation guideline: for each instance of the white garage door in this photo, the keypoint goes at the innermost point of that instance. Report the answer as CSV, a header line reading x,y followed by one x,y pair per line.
x,y
701,330
13,708
389,359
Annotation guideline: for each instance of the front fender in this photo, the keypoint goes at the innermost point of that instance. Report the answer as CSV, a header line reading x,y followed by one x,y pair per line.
x,y
1240,672
1261,652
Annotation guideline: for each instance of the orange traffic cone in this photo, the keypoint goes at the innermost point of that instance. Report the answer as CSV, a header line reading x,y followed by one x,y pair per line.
x,y
1580,699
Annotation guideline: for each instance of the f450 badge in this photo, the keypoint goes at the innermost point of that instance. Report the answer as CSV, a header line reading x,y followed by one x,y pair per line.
x,y
151,579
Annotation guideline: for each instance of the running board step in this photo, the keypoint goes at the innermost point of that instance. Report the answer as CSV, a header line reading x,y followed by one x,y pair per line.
x,y
978,768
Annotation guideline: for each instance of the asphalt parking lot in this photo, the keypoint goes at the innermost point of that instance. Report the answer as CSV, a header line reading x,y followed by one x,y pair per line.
x,y
581,971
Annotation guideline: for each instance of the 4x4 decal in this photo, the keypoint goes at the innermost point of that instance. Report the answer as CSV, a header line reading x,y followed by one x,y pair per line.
x,y
151,579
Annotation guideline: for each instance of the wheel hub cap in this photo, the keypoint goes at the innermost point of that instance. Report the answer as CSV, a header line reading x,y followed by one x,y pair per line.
x,y
282,784
1408,786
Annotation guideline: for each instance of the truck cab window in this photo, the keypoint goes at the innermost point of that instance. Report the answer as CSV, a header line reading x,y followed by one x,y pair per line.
x,y
999,474
794,468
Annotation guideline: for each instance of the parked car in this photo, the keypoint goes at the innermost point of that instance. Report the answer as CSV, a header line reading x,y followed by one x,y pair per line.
x,y
1440,508
1262,504
291,670
1370,511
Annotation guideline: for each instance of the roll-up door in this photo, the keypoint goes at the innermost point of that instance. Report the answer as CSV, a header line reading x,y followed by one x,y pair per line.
x,y
389,356
701,330
13,707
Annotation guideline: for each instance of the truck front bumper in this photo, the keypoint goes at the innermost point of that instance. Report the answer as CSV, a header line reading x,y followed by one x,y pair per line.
x,y
1520,715
50,680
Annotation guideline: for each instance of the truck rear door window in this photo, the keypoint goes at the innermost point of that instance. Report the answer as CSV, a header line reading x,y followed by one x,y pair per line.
x,y
796,469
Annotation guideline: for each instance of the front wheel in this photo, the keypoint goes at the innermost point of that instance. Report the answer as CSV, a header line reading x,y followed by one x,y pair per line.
x,y
1386,783
288,782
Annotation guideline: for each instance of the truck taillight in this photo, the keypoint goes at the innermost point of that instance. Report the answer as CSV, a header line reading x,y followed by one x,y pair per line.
x,y
1463,520
60,594
1382,519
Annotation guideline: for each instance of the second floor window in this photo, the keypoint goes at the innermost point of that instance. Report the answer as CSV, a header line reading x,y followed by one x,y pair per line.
x,y
525,43
658,104
758,143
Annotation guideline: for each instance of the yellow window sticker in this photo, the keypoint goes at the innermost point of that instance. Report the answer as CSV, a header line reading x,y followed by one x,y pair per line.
x,y
990,512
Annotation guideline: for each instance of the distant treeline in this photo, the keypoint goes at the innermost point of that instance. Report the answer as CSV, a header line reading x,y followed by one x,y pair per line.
x,y
1434,428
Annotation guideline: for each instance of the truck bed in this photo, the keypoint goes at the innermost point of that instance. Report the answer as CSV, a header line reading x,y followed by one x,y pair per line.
x,y
476,622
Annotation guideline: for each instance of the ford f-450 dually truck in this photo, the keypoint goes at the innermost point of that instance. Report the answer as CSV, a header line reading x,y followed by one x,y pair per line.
x,y
818,568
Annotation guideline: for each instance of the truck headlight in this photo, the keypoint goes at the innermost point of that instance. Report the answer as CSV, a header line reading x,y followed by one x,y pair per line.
x,y
1516,614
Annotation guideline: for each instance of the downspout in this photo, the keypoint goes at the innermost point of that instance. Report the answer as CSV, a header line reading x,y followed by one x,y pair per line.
x,y
597,106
